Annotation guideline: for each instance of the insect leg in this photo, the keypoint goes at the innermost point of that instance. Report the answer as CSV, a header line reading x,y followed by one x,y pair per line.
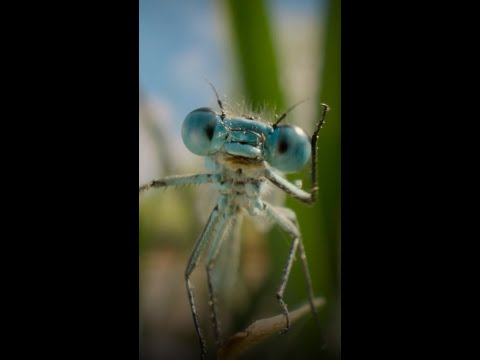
x,y
310,197
303,258
314,187
292,230
226,221
192,263
287,186
181,180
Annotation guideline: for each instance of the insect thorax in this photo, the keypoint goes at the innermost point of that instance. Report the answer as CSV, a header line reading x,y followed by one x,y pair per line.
x,y
242,183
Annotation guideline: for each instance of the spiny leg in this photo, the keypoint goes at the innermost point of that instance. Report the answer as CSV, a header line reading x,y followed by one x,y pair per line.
x,y
308,280
306,197
227,221
213,309
303,258
292,230
192,263
284,279
181,180
228,257
314,140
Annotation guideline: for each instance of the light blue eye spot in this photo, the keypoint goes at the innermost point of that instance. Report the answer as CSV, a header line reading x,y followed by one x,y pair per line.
x,y
288,148
199,129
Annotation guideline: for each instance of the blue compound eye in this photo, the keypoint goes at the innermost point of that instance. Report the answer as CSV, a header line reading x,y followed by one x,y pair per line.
x,y
288,148
198,131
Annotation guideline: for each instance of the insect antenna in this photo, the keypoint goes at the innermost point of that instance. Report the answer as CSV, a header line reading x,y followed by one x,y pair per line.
x,y
284,115
218,98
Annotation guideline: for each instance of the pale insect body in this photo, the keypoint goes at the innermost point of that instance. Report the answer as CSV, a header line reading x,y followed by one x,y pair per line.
x,y
245,155
265,190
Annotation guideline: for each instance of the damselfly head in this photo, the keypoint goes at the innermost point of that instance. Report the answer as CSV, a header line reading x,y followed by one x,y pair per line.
x,y
245,140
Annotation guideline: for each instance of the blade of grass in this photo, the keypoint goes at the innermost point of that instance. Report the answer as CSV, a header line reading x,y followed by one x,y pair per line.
x,y
320,226
254,50
330,147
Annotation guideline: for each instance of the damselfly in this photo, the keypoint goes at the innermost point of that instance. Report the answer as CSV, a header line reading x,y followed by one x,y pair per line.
x,y
245,154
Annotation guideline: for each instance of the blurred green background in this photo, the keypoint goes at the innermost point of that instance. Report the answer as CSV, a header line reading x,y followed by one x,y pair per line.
x,y
273,53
